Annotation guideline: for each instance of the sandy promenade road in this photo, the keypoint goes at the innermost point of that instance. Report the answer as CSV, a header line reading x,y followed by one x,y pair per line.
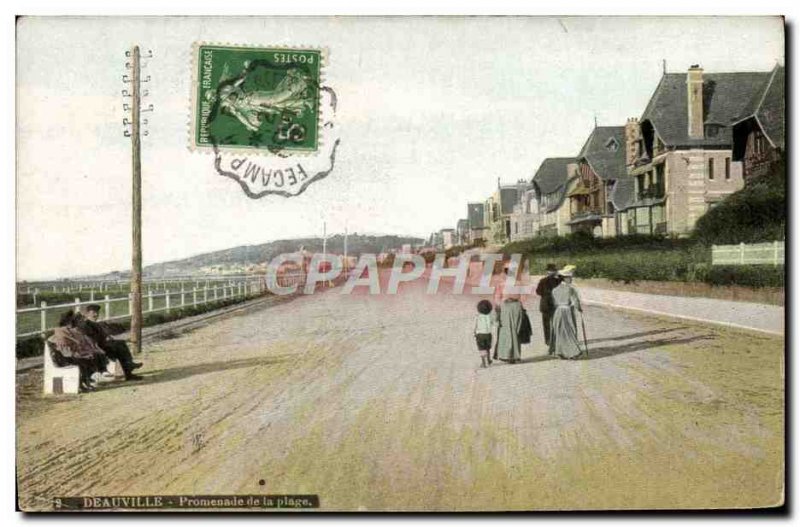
x,y
376,403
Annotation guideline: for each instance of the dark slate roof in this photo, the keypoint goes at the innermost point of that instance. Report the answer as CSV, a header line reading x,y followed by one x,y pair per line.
x,y
475,214
768,107
508,198
552,174
725,96
623,193
562,194
750,108
605,162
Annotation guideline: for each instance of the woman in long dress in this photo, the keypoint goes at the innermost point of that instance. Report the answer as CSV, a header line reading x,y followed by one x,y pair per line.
x,y
508,304
564,340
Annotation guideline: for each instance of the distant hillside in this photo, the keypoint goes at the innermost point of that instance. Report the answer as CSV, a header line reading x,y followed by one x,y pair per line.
x,y
247,255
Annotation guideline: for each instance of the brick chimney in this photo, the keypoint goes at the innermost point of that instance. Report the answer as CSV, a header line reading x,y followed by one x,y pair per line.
x,y
694,92
632,135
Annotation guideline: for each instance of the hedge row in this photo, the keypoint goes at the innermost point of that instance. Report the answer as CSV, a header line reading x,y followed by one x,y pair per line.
x,y
581,242
756,213
639,257
686,265
629,265
746,275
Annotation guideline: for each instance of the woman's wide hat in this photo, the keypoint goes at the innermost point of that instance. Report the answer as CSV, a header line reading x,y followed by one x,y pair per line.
x,y
568,270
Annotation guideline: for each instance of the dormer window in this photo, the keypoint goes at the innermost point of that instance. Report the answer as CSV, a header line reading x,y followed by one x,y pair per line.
x,y
713,130
648,135
612,145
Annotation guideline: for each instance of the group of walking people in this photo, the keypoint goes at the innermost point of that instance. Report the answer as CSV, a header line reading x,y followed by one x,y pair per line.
x,y
559,301
82,341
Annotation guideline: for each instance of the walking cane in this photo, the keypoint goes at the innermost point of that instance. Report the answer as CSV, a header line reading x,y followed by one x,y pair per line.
x,y
585,342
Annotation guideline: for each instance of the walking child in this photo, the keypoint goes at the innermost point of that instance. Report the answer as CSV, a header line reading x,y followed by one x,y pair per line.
x,y
484,323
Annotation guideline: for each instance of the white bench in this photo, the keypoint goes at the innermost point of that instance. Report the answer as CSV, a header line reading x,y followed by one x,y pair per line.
x,y
61,380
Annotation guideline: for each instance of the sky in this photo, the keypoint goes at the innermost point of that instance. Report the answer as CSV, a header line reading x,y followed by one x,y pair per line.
x,y
431,112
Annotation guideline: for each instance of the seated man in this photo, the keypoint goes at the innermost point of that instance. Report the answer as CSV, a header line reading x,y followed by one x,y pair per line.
x,y
114,349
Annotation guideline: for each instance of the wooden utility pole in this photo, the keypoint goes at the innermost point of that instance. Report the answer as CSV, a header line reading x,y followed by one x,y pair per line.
x,y
324,239
136,260
345,262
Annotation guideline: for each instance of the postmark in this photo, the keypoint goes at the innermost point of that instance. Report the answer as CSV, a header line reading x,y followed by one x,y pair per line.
x,y
283,173
256,99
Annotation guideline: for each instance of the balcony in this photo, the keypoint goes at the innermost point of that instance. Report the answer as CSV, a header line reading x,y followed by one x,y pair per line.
x,y
651,193
642,160
592,215
581,189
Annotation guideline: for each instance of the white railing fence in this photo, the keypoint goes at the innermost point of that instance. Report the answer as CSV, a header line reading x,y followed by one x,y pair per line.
x,y
44,317
770,253
100,287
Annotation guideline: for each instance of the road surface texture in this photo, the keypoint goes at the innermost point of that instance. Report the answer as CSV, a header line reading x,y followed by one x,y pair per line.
x,y
377,403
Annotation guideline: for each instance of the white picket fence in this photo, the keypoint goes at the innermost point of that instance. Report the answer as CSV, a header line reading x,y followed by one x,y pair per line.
x,y
770,253
168,300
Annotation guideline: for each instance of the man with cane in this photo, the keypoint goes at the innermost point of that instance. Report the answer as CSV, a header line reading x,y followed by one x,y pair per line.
x,y
545,289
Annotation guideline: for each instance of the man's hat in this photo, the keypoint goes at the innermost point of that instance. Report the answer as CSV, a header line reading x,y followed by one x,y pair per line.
x,y
551,267
94,307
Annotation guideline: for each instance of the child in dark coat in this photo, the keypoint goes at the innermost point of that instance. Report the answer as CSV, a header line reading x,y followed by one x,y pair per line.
x,y
484,323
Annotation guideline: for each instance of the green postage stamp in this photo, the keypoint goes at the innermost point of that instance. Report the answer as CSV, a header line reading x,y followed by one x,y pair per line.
x,y
253,98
